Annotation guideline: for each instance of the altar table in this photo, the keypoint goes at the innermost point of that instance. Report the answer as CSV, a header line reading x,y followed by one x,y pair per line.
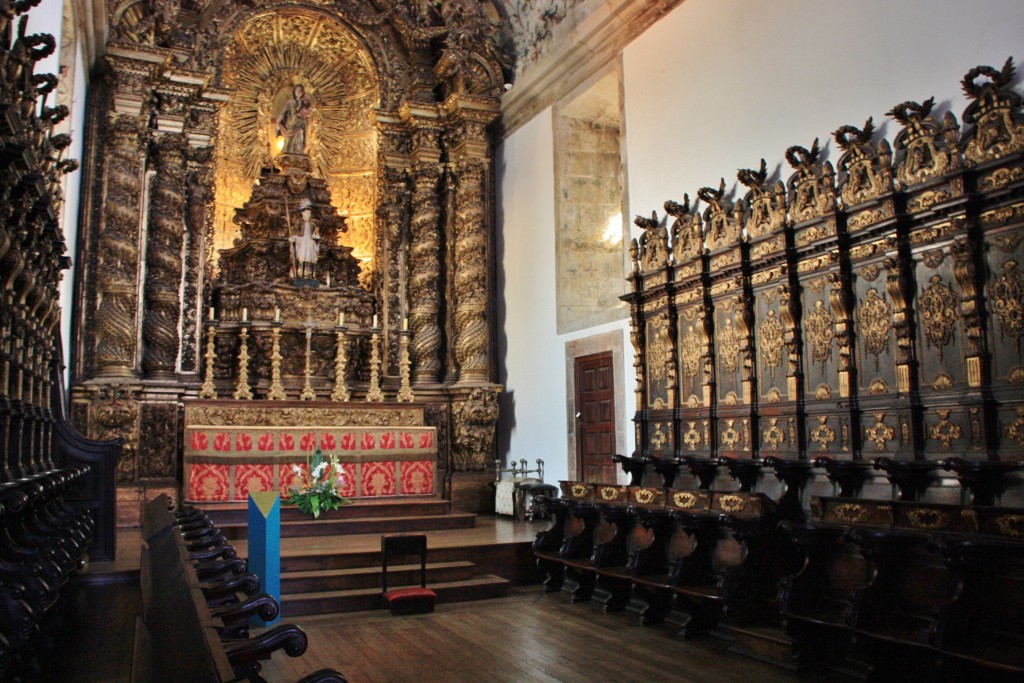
x,y
225,460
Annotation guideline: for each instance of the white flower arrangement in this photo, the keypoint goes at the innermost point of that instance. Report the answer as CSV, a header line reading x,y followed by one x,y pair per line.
x,y
319,490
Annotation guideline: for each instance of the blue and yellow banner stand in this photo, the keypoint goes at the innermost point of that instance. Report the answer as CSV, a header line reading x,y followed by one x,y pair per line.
x,y
265,545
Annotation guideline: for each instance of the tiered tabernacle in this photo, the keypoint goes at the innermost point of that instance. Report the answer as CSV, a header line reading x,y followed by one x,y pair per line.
x,y
852,324
56,488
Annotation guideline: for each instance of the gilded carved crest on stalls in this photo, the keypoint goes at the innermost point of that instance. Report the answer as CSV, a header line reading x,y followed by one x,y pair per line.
x,y
925,149
812,191
998,131
767,202
868,170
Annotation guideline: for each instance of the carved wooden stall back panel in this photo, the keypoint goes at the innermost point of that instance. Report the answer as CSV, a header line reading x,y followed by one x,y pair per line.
x,y
871,312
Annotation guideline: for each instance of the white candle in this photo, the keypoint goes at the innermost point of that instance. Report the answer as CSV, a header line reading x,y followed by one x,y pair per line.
x,y
277,315
341,318
245,315
212,313
405,324
328,279
374,321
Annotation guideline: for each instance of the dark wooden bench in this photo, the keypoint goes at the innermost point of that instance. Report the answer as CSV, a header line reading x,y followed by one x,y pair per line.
x,y
43,543
180,636
906,579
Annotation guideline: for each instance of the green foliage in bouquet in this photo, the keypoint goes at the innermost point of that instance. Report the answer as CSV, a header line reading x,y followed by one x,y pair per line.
x,y
317,488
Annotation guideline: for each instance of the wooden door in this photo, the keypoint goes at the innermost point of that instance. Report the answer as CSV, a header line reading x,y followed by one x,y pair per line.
x,y
595,418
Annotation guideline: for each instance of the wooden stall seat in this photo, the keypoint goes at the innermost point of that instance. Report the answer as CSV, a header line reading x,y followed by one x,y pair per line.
x,y
942,580
706,553
195,612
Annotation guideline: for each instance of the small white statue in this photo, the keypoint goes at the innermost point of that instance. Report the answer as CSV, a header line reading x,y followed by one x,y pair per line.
x,y
306,248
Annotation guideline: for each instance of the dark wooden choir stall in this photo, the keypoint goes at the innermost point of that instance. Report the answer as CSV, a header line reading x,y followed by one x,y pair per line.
x,y
830,423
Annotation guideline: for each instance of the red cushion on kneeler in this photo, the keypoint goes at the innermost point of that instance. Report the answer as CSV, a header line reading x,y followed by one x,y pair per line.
x,y
410,600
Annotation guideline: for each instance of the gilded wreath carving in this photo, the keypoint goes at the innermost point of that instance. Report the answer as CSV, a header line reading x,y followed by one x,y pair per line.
x,y
823,435
880,433
945,431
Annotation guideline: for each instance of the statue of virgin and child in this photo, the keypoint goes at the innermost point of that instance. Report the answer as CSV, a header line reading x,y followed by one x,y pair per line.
x,y
294,119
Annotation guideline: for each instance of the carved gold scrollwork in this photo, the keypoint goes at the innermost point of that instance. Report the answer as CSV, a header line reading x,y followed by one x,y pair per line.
x,y
874,318
658,348
730,437
1015,430
996,133
689,353
579,490
684,499
924,518
729,346
945,431
852,513
732,503
644,496
1008,302
820,329
770,342
609,492
773,436
658,438
880,433
1011,525
823,435
692,437
942,382
938,314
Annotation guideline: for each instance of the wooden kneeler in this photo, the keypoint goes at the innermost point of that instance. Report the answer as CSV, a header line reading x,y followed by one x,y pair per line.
x,y
412,599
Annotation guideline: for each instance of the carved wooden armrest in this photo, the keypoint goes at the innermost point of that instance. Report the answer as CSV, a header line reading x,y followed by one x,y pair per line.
x,y
245,655
202,557
207,542
236,617
220,570
221,593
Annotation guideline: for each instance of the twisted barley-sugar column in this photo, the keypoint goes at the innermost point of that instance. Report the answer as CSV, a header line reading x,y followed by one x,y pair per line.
x,y
117,249
162,308
471,288
424,274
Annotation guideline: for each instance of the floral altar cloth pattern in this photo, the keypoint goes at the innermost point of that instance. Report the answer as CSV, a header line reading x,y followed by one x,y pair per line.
x,y
225,462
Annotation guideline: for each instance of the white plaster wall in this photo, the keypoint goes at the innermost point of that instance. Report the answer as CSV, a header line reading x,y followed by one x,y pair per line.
x,y
712,87
718,84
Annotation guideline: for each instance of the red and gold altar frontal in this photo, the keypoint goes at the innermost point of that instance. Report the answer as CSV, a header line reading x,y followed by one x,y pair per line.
x,y
232,450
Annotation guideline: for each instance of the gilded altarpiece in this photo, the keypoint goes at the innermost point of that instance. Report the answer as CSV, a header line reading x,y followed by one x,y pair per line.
x,y
776,315
360,131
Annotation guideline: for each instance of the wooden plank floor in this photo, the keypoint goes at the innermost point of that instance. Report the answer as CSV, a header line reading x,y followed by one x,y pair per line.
x,y
528,636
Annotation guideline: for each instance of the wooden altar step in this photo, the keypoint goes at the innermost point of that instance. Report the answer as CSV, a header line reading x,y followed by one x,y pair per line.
x,y
356,600
386,516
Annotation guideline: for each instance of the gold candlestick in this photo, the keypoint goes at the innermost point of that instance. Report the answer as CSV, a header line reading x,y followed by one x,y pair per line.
x,y
341,392
405,394
307,391
209,389
276,392
374,394
242,390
